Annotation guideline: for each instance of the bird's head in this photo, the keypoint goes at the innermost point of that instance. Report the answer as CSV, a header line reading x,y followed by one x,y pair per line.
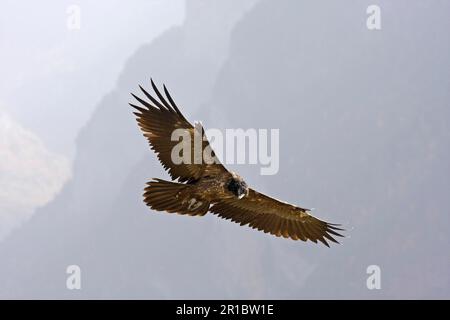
x,y
237,186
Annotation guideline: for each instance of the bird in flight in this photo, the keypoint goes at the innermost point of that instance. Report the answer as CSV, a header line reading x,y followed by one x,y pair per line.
x,y
197,188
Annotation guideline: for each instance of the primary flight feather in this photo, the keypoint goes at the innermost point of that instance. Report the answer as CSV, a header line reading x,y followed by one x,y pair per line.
x,y
208,186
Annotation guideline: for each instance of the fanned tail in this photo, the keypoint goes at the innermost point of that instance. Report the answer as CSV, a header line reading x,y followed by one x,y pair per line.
x,y
174,197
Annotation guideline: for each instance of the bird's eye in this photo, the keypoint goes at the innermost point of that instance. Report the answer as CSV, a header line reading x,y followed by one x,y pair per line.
x,y
233,186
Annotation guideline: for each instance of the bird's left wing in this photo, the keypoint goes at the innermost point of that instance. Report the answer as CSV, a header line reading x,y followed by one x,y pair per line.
x,y
158,119
276,217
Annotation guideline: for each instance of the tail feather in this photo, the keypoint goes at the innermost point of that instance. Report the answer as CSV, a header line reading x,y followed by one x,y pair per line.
x,y
174,197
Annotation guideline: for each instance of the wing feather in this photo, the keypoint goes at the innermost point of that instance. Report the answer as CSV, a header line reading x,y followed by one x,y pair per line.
x,y
276,217
158,118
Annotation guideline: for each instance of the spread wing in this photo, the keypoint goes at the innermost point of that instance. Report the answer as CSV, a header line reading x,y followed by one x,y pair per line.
x,y
158,119
278,218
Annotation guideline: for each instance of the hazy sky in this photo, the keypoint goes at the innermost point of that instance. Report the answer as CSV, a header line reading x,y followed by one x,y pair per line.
x,y
52,76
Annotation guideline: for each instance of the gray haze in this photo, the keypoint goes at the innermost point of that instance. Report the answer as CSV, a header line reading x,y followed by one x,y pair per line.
x,y
364,132
53,76
45,66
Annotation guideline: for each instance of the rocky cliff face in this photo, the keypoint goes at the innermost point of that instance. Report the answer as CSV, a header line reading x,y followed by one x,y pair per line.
x,y
363,138
362,134
30,175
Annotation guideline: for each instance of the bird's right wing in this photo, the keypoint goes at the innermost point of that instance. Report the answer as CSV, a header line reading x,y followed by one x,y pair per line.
x,y
276,217
158,119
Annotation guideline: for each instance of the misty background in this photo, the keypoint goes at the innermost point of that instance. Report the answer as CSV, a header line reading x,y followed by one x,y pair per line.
x,y
364,138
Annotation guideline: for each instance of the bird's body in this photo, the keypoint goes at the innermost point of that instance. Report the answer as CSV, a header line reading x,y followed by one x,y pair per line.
x,y
196,195
199,187
214,188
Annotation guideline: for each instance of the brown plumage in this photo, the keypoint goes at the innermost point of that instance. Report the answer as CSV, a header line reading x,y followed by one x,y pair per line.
x,y
208,186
